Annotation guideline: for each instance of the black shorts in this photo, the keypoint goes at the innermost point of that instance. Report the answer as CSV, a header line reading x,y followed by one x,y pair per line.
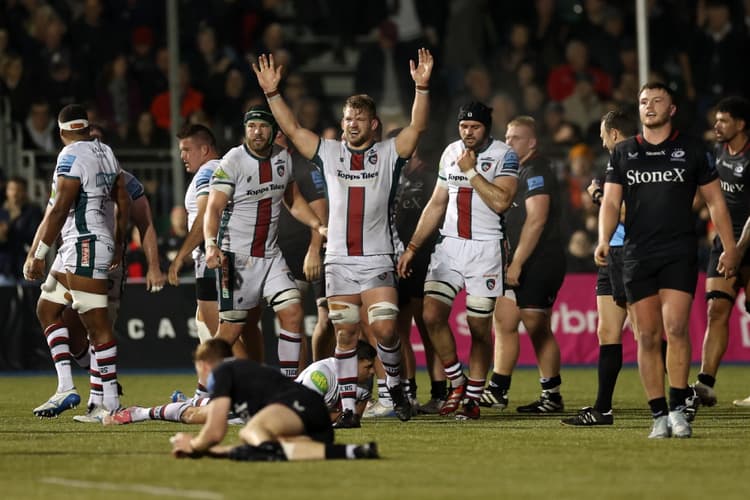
x,y
413,286
644,278
713,260
205,289
540,280
609,278
311,408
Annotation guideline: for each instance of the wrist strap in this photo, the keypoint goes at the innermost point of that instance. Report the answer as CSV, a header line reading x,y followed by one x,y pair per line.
x,y
411,246
41,250
471,174
210,242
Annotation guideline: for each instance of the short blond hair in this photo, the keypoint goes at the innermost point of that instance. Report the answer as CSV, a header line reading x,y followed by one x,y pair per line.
x,y
524,121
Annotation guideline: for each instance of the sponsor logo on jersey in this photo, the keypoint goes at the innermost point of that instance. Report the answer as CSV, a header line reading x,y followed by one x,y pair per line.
x,y
731,187
491,284
105,179
372,157
280,170
661,152
290,276
382,276
220,174
298,407
356,176
485,166
86,253
535,182
632,156
638,177
678,153
320,381
65,163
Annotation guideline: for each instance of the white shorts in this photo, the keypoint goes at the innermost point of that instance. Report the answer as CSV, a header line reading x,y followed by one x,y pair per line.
x,y
201,271
352,275
243,280
479,266
88,257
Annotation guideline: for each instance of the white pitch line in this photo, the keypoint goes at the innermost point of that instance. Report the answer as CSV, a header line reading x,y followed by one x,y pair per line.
x,y
134,487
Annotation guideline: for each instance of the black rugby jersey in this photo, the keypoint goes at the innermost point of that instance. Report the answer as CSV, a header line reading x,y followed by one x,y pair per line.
x,y
250,386
734,176
659,182
536,177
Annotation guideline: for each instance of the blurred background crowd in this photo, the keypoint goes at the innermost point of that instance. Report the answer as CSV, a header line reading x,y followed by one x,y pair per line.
x,y
563,62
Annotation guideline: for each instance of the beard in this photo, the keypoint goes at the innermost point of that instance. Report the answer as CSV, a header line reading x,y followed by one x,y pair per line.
x,y
658,121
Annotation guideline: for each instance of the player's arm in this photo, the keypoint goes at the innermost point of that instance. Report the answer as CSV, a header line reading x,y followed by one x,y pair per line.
x,y
717,207
428,222
300,209
140,213
311,266
609,216
269,77
498,194
211,434
744,240
407,139
537,212
217,201
192,240
122,217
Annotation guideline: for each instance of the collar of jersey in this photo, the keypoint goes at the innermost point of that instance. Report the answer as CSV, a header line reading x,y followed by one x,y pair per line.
x,y
359,151
248,151
490,140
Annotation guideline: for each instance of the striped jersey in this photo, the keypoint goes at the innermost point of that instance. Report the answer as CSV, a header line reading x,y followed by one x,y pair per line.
x,y
95,166
199,186
467,216
361,188
249,223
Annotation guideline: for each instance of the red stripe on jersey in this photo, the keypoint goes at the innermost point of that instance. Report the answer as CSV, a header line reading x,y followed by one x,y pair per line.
x,y
355,221
262,223
266,174
464,212
357,162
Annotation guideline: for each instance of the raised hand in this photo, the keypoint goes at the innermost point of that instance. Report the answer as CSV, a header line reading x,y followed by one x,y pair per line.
x,y
421,71
268,74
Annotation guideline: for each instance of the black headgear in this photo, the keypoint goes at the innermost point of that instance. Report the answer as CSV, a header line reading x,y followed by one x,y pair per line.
x,y
262,112
478,112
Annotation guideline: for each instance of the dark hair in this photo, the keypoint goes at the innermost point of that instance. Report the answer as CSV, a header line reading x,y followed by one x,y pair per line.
x,y
619,121
19,180
213,350
657,86
365,351
737,107
362,102
74,112
200,132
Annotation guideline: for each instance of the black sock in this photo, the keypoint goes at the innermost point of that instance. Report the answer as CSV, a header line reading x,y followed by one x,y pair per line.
x,y
438,389
502,382
335,451
413,388
551,383
677,397
705,378
610,363
658,407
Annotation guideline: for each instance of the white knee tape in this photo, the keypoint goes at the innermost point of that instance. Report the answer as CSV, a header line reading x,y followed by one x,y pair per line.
x,y
54,291
342,313
233,316
479,307
284,299
440,290
201,328
83,302
382,311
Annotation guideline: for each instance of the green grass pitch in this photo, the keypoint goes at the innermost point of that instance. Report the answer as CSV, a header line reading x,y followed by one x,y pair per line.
x,y
503,455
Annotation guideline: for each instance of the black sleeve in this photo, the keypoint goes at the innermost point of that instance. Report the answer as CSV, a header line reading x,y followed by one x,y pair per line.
x,y
309,180
706,165
220,381
613,173
538,181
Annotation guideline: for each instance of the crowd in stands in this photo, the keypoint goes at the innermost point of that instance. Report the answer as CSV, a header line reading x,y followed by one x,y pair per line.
x,y
563,62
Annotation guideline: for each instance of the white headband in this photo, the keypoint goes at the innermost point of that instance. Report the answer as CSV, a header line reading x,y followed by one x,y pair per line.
x,y
79,124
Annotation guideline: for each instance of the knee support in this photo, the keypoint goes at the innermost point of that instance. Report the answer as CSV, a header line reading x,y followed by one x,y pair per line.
x,y
84,302
718,294
440,290
479,307
54,291
342,313
284,299
382,311
233,316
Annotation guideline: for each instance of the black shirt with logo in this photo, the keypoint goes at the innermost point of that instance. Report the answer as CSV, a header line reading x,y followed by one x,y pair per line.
x,y
659,182
536,177
734,177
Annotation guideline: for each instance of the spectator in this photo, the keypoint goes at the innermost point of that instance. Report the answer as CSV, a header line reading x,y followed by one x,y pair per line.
x,y
61,87
15,84
118,97
171,243
562,79
580,253
190,100
548,33
583,107
40,129
145,134
210,62
228,108
93,39
151,77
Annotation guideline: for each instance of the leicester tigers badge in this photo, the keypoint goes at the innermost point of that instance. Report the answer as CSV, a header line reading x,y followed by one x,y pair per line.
x,y
280,170
490,284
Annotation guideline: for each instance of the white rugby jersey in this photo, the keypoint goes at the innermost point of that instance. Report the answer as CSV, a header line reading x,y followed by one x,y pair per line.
x,y
96,167
467,216
361,187
249,224
321,378
200,185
